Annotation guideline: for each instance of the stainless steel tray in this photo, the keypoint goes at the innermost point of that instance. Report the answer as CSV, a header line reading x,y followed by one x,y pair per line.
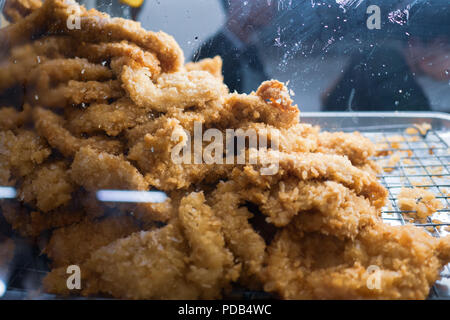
x,y
366,121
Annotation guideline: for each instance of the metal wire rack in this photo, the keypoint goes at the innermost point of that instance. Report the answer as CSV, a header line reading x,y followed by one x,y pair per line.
x,y
423,162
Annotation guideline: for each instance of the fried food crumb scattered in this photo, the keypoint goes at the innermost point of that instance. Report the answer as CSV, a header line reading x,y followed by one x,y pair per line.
x,y
422,201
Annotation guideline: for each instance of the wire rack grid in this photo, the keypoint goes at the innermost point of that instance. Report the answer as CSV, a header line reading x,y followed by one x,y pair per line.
x,y
422,161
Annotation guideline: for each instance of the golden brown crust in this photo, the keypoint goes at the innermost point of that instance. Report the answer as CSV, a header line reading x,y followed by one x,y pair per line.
x,y
98,27
51,126
31,224
22,152
81,93
48,187
111,119
14,10
404,257
11,118
211,65
74,244
186,259
247,246
354,145
95,170
179,89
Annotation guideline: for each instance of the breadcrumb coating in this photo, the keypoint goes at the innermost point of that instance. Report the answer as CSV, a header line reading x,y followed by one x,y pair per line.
x,y
21,153
14,10
31,224
186,259
73,244
48,187
404,259
109,118
52,127
107,106
95,170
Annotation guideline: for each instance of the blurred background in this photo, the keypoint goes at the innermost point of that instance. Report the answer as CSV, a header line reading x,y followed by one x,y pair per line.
x,y
341,55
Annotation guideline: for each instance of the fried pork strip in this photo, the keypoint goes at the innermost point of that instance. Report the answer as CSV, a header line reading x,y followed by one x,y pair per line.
x,y
74,244
95,170
94,27
14,10
11,119
48,187
311,166
186,259
180,89
29,223
247,246
353,145
406,261
51,126
21,153
109,118
81,93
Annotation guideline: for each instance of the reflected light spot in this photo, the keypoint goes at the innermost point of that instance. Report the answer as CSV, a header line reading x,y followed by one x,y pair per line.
x,y
7,193
131,196
2,288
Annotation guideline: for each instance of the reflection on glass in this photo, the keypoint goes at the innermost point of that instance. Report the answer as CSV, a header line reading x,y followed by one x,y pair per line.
x,y
236,42
2,288
131,196
330,57
7,193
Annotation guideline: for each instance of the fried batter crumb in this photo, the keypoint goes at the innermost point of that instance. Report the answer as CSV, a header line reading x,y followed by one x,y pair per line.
x,y
423,202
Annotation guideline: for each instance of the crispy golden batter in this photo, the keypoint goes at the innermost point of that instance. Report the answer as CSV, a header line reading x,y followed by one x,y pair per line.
x,y
15,10
22,59
25,29
51,126
96,170
74,244
186,259
20,153
310,166
247,246
316,266
180,89
32,223
109,118
81,93
98,27
353,145
49,74
211,65
444,249
48,187
102,52
10,118
154,157
263,107
321,206
148,212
